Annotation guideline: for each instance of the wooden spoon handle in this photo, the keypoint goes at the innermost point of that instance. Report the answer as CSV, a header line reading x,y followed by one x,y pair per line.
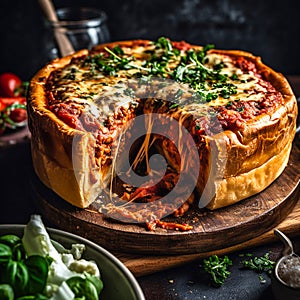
x,y
48,9
64,44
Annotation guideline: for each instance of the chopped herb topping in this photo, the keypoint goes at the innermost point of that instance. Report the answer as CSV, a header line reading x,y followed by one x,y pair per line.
x,y
129,92
88,96
178,94
240,109
234,77
174,105
71,75
229,103
167,61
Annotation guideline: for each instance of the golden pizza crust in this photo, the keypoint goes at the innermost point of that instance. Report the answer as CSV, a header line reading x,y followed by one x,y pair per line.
x,y
219,193
255,155
54,143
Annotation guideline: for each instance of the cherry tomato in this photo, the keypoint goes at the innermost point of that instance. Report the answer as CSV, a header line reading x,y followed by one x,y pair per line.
x,y
5,101
18,115
13,113
10,85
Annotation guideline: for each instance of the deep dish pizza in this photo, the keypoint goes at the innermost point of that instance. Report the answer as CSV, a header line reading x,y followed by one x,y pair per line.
x,y
231,121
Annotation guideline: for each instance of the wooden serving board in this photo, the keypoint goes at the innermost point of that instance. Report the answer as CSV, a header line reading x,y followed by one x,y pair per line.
x,y
141,265
244,224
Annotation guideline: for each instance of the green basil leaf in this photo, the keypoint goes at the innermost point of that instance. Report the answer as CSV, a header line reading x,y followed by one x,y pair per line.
x,y
19,252
38,273
16,275
98,283
11,271
33,297
6,292
83,288
5,253
10,240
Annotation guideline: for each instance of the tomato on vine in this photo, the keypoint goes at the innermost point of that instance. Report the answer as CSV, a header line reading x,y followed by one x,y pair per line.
x,y
13,112
10,85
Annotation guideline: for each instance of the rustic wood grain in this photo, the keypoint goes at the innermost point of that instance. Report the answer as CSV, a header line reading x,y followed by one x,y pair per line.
x,y
141,265
239,226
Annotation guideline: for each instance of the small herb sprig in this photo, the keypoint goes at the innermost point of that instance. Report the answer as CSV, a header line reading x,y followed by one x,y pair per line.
x,y
217,267
262,264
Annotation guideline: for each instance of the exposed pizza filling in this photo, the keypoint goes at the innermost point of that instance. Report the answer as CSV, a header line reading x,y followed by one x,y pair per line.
x,y
102,91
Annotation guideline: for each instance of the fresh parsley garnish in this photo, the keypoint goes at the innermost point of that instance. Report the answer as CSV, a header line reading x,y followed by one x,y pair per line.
x,y
174,105
165,61
262,264
217,267
71,75
129,92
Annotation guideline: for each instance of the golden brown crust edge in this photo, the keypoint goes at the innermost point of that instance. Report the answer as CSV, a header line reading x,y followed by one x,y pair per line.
x,y
257,154
228,191
56,147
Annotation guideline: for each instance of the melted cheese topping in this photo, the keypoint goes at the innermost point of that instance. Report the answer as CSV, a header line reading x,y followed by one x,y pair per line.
x,y
248,87
102,94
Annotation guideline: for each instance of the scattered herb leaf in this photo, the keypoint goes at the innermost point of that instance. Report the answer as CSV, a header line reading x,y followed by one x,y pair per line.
x,y
262,264
217,268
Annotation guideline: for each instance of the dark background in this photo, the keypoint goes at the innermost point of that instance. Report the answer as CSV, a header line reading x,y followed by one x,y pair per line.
x,y
269,29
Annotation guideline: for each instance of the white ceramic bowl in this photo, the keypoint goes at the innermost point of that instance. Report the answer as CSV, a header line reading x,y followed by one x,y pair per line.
x,y
119,283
